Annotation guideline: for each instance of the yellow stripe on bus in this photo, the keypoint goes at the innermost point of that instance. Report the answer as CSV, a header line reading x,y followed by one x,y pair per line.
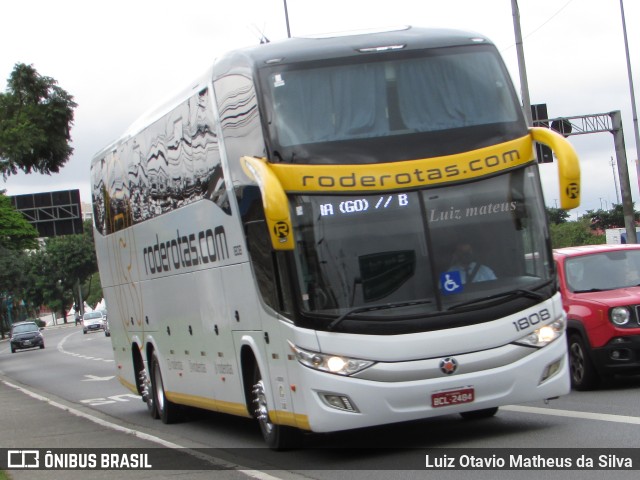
x,y
127,385
290,419
239,409
405,174
277,179
278,417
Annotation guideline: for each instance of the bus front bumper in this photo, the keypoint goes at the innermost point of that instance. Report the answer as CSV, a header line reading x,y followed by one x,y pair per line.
x,y
335,403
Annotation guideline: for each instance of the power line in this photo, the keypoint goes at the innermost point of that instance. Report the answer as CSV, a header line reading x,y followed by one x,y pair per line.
x,y
542,24
549,19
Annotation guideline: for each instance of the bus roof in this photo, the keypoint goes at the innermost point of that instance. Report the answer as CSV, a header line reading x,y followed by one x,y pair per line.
x,y
347,44
299,49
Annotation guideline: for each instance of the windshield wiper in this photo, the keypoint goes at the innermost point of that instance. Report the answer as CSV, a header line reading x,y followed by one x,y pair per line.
x,y
506,296
372,308
589,290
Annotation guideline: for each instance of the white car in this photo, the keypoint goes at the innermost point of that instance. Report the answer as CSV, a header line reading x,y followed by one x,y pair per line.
x,y
92,321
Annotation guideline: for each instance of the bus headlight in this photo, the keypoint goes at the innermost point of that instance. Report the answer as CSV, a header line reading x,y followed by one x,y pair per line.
x,y
620,315
544,335
329,363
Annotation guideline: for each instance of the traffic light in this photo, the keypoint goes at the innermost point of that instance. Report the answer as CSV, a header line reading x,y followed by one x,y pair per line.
x,y
539,115
562,126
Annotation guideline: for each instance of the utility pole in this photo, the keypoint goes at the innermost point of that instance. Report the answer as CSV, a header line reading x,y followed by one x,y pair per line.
x,y
623,173
603,122
633,97
524,84
286,16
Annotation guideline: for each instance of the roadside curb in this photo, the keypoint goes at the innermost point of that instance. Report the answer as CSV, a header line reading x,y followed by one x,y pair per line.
x,y
67,426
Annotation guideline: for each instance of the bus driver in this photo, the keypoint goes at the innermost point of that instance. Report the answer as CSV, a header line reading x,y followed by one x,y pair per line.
x,y
470,270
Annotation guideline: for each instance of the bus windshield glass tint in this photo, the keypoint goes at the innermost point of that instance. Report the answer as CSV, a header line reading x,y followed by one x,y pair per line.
x,y
328,112
356,251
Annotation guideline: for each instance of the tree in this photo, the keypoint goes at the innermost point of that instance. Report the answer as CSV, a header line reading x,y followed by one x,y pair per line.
x,y
16,235
15,232
572,234
13,284
65,263
614,218
557,215
35,122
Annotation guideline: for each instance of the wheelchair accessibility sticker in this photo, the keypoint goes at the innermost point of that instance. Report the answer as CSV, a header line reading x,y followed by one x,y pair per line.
x,y
451,282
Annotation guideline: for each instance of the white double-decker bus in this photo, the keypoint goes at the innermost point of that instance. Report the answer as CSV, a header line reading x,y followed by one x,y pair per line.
x,y
284,240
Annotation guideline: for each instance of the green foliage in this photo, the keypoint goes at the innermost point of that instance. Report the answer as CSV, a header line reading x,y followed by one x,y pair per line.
x,y
56,270
614,218
92,290
13,285
15,232
35,122
557,215
16,237
571,234
12,271
49,275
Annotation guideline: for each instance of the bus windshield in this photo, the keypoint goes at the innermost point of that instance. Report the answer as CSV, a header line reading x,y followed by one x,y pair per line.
x,y
443,246
376,108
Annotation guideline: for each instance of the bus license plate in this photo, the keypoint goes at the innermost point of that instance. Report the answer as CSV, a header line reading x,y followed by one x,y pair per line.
x,y
452,397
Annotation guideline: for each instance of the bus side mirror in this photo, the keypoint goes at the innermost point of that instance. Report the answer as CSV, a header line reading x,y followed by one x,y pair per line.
x,y
568,165
274,201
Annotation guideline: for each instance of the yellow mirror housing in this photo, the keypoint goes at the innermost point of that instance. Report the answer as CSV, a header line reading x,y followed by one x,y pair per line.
x,y
568,165
274,200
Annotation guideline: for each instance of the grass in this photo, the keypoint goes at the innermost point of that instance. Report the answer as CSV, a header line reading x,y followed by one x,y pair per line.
x,y
4,475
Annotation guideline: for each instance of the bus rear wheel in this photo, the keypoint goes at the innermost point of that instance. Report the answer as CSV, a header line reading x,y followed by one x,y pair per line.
x,y
168,411
144,381
277,437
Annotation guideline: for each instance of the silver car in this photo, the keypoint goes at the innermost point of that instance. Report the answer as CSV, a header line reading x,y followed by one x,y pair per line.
x,y
92,321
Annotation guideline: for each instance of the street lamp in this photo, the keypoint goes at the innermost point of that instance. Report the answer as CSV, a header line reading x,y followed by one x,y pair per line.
x,y
605,203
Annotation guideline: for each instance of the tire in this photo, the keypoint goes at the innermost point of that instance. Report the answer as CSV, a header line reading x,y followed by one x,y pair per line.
x,y
42,347
168,411
13,350
479,414
144,387
84,332
584,375
277,437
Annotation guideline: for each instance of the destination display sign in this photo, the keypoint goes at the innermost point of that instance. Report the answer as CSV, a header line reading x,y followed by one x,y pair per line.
x,y
356,206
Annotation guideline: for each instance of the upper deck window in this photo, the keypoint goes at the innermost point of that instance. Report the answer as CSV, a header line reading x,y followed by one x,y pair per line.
x,y
388,96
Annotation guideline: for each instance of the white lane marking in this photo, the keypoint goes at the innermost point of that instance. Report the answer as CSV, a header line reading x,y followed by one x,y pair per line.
x,y
217,462
95,378
74,354
604,417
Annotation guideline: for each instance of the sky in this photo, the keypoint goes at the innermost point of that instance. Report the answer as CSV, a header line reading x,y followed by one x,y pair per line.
x,y
121,58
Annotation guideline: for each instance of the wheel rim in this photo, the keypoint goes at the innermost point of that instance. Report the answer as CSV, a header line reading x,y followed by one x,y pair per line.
x,y
577,362
145,385
159,388
261,409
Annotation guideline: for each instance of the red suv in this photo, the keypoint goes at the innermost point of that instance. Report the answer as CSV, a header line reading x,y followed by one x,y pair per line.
x,y
600,287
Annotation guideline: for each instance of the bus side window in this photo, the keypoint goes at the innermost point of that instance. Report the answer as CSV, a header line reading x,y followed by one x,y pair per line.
x,y
259,245
269,267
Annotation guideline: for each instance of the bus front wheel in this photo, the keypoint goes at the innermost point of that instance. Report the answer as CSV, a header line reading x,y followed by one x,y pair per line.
x,y
277,437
